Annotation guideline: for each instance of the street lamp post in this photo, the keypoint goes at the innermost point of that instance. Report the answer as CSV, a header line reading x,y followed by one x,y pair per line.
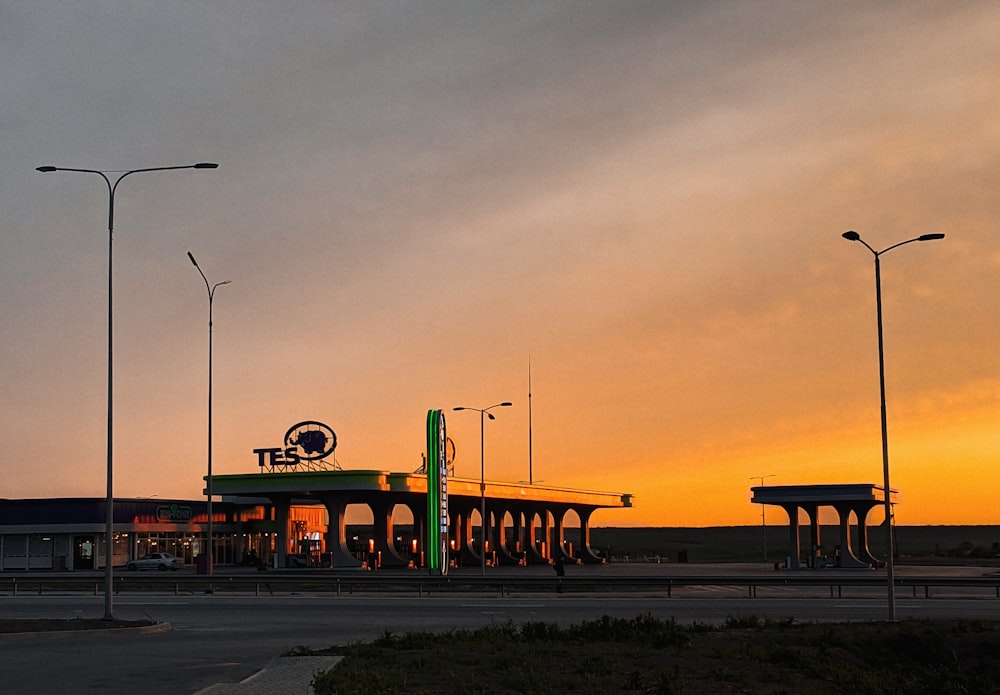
x,y
763,524
483,414
109,501
890,580
531,472
211,297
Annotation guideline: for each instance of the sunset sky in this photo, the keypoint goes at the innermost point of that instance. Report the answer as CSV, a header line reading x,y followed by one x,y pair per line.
x,y
414,199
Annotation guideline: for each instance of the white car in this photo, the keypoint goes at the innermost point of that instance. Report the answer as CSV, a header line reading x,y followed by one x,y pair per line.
x,y
154,561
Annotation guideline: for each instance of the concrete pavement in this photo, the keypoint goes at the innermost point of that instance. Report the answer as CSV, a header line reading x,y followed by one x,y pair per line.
x,y
286,675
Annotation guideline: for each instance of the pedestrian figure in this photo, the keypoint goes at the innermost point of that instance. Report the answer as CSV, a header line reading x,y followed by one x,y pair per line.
x,y
558,566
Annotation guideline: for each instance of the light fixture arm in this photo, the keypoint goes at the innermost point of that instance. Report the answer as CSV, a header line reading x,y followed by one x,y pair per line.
x,y
854,236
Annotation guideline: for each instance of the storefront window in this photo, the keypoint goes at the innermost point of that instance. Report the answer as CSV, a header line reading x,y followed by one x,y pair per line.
x,y
186,546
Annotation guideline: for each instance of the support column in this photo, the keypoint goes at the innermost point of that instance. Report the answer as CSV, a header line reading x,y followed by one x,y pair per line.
x,y
587,555
503,554
559,536
456,534
382,531
864,554
814,535
336,533
469,556
547,533
533,554
491,532
282,509
517,519
847,557
794,543
419,512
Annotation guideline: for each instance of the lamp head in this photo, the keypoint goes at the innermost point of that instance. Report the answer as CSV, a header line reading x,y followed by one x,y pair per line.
x,y
851,236
45,169
461,407
193,261
205,165
930,237
504,405
491,416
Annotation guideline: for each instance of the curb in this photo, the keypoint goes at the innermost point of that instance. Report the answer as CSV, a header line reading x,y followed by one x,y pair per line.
x,y
56,634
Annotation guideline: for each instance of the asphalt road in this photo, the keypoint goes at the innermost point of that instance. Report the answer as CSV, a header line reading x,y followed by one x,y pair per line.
x,y
223,638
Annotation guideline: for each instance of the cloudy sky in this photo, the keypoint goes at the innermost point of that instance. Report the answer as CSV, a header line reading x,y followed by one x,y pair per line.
x,y
415,199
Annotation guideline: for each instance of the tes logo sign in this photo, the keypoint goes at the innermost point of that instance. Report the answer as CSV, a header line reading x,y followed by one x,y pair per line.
x,y
305,443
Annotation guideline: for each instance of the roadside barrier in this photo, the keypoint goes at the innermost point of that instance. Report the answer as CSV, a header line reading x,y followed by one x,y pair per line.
x,y
368,582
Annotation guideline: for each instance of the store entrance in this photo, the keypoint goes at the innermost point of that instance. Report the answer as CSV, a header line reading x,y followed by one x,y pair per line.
x,y
83,552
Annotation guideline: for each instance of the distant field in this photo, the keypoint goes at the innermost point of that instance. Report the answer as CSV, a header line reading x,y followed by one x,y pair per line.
x,y
746,543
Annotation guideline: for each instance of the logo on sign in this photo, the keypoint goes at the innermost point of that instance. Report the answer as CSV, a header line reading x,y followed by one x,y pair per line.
x,y
307,444
174,513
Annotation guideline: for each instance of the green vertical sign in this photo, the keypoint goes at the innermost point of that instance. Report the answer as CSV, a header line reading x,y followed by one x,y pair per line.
x,y
437,494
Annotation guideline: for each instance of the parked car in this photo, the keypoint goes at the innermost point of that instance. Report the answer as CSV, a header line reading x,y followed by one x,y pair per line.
x,y
154,561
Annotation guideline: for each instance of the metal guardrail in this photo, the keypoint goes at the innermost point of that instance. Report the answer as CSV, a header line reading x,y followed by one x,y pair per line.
x,y
340,584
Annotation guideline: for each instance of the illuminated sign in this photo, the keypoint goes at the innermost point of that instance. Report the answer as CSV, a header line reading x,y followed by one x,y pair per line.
x,y
307,443
174,513
437,493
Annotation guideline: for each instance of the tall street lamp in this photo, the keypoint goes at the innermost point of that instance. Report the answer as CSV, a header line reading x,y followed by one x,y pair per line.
x,y
763,524
854,236
211,297
483,414
109,502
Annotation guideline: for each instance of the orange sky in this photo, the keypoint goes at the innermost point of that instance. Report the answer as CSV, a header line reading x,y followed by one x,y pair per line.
x,y
413,199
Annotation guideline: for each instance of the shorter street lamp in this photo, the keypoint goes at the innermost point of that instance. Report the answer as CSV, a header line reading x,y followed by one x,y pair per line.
x,y
211,297
483,414
854,236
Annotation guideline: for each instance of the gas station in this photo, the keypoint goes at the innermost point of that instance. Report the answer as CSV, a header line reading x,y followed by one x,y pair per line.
x,y
853,499
525,523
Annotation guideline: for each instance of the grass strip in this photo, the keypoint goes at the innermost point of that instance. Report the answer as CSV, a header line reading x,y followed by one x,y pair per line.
x,y
648,655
